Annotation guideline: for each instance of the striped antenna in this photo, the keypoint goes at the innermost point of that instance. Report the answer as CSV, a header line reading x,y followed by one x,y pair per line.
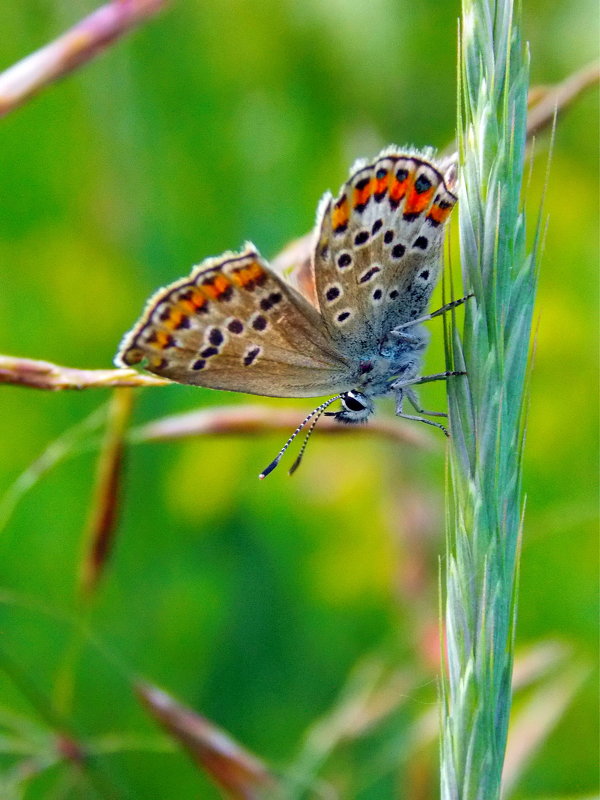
x,y
318,411
296,463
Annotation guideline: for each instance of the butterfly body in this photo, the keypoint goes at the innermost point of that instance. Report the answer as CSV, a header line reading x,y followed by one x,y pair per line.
x,y
236,324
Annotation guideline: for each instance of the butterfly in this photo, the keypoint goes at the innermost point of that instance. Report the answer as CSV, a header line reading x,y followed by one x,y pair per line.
x,y
236,324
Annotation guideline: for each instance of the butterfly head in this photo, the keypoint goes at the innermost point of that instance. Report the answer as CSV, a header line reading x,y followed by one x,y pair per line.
x,y
356,407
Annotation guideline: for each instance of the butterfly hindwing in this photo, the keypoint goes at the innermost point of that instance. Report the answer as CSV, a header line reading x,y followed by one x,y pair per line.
x,y
378,250
234,324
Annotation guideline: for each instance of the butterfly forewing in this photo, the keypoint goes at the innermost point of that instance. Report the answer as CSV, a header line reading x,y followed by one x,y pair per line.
x,y
378,250
234,324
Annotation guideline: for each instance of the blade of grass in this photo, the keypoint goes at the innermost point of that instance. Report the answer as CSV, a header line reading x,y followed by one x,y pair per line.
x,y
63,447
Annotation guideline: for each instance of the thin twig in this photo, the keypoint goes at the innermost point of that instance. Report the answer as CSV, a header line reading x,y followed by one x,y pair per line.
x,y
372,691
239,773
553,99
235,420
535,721
68,745
104,511
52,377
250,419
80,44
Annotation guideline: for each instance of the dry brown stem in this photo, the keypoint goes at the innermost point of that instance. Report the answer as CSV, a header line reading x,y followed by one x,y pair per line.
x,y
240,419
80,44
241,775
554,99
103,516
52,377
252,419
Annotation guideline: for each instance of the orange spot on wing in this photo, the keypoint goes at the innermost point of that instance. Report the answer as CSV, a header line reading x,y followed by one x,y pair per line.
x,y
221,285
192,301
161,339
248,277
398,189
361,196
438,214
339,216
415,202
174,318
155,363
216,287
380,185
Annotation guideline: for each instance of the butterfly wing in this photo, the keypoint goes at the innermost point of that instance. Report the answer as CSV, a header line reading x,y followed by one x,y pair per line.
x,y
378,251
234,324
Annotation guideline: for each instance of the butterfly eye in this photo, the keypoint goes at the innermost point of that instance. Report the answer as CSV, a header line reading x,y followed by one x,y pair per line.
x,y
352,403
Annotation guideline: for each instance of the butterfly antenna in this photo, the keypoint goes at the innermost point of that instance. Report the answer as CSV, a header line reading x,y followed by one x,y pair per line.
x,y
313,424
317,412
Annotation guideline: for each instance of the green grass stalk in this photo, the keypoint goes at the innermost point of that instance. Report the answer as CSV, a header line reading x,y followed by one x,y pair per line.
x,y
486,408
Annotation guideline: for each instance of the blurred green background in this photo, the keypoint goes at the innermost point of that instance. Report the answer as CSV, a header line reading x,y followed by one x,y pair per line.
x,y
253,603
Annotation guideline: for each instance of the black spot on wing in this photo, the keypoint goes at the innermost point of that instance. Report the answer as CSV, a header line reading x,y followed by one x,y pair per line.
x,y
422,184
251,356
366,276
215,337
259,323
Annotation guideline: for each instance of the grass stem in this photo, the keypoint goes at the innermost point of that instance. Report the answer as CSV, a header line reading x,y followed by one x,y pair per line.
x,y
485,501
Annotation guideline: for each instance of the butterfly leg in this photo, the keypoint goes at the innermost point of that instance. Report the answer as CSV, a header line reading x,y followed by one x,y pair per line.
x,y
439,376
400,413
442,310
401,387
413,398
